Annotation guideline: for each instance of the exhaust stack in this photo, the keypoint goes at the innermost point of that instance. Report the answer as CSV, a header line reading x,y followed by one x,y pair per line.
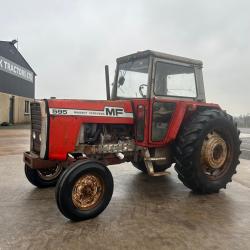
x,y
107,81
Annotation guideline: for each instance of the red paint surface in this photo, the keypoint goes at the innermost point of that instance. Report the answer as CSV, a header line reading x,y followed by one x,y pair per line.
x,y
64,130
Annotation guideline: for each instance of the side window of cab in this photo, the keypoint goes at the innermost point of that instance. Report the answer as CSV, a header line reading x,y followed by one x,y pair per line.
x,y
174,80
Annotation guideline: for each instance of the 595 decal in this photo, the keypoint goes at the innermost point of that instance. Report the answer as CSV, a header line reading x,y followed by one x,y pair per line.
x,y
59,112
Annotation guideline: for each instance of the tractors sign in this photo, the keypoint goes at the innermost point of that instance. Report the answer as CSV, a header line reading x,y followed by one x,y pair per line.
x,y
15,69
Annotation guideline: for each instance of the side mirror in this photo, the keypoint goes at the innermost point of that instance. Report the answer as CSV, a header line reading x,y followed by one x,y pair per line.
x,y
121,81
143,90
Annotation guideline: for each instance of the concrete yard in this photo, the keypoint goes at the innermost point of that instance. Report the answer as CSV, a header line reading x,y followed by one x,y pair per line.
x,y
144,213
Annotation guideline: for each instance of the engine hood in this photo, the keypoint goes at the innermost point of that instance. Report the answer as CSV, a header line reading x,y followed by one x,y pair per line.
x,y
96,111
65,118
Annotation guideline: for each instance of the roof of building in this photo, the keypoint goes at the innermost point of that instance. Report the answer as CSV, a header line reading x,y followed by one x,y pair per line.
x,y
157,54
9,51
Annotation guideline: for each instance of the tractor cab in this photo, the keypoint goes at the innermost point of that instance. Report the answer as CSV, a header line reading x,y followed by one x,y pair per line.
x,y
150,74
160,86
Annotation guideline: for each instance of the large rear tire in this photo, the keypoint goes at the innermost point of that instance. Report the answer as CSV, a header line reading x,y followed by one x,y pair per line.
x,y
84,190
207,151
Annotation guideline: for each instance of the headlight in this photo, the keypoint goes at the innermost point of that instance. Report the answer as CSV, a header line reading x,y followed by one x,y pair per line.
x,y
43,135
34,135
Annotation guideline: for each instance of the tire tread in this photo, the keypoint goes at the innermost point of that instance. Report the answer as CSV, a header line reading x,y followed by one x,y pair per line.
x,y
186,145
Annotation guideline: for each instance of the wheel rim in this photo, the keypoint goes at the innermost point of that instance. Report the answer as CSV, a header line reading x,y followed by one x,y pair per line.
x,y
214,155
87,191
49,174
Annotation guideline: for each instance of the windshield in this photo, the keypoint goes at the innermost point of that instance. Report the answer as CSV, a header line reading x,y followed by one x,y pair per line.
x,y
132,81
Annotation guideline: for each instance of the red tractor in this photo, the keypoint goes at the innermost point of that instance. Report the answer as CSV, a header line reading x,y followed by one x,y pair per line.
x,y
157,116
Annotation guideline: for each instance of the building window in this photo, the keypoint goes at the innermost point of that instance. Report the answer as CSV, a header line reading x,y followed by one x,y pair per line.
x,y
27,107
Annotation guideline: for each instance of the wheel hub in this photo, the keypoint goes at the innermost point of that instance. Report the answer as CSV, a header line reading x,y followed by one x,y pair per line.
x,y
87,191
49,174
214,151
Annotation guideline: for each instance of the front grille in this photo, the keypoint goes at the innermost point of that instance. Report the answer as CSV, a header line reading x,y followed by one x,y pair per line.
x,y
35,126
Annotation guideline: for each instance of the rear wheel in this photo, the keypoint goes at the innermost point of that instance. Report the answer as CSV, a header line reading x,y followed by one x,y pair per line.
x,y
207,151
43,178
84,191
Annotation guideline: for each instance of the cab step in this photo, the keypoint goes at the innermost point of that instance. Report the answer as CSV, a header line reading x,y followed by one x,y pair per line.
x,y
149,165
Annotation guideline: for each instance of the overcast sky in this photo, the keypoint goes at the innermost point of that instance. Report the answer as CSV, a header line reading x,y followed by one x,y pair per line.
x,y
68,42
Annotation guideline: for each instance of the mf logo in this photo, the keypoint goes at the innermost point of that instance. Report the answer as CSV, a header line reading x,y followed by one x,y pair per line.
x,y
112,111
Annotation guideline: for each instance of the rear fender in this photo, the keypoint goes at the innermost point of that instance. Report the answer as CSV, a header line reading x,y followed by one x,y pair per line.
x,y
183,110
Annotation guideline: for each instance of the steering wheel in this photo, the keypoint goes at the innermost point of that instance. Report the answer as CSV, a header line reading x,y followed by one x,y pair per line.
x,y
141,88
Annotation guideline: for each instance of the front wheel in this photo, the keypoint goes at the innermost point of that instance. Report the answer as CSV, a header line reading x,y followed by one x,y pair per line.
x,y
43,178
207,151
84,190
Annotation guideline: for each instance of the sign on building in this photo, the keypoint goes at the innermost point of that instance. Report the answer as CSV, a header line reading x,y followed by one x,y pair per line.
x,y
15,69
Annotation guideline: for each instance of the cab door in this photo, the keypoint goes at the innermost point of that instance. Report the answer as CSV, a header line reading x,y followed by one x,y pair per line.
x,y
173,84
141,117
161,115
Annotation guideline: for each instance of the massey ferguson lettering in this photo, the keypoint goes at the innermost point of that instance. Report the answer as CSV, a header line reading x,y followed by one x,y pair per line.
x,y
110,111
107,112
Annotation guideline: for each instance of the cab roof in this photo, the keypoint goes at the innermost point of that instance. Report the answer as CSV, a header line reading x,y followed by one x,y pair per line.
x,y
157,54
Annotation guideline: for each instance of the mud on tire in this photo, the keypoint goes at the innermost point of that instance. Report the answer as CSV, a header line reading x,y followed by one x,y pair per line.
x,y
207,151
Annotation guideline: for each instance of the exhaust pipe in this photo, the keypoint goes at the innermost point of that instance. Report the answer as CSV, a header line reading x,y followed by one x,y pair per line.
x,y
107,81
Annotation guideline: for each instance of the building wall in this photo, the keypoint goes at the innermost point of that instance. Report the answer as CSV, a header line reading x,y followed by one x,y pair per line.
x,y
4,107
16,75
16,86
19,108
17,79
